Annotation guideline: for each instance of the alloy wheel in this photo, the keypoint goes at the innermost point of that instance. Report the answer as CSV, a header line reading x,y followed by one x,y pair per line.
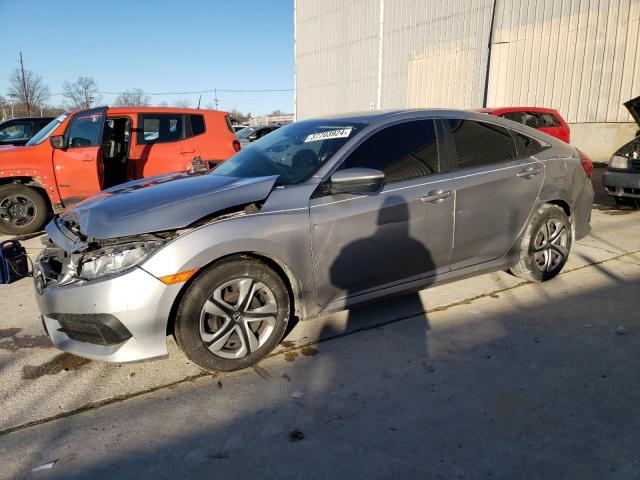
x,y
550,245
17,210
238,318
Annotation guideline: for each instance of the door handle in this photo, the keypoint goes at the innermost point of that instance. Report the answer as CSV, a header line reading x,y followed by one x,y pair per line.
x,y
87,159
437,196
528,172
186,150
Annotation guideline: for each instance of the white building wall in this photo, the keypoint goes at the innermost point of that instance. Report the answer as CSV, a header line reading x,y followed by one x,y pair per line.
x,y
336,55
580,56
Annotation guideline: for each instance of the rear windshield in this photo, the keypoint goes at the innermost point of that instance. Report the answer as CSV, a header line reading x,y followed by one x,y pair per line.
x,y
294,152
47,130
245,132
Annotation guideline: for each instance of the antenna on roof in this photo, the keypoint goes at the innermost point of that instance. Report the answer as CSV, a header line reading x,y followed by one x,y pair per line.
x,y
199,98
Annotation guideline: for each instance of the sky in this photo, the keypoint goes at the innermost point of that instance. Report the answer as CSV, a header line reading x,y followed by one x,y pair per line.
x,y
158,46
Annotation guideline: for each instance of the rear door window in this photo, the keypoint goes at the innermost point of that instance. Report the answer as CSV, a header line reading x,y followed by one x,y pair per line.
x,y
403,151
527,146
478,144
197,125
160,128
549,120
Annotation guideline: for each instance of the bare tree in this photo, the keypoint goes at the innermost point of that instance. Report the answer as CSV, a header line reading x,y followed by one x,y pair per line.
x,y
83,93
27,89
3,108
132,98
182,103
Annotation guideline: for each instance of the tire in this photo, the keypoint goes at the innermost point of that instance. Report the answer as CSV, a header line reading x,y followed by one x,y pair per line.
x,y
211,320
540,260
23,209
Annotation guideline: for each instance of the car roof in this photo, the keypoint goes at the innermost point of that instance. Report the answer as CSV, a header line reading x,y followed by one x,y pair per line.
x,y
516,109
154,110
28,118
381,116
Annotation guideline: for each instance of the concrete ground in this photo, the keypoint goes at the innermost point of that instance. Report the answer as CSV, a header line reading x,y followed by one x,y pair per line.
x,y
488,377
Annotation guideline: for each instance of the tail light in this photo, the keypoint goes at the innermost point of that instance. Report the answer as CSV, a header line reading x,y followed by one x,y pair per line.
x,y
236,145
587,163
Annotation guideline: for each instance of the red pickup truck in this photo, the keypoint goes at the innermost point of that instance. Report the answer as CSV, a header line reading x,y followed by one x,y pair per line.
x,y
82,152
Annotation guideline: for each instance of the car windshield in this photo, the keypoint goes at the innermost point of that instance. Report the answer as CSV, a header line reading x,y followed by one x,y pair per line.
x,y
294,152
245,132
47,130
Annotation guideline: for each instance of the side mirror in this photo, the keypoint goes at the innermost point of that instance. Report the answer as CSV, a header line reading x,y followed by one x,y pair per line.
x,y
356,180
58,141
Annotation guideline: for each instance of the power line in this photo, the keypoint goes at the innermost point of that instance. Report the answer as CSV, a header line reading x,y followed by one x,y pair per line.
x,y
212,90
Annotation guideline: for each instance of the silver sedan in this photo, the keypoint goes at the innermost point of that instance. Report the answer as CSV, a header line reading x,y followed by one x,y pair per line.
x,y
318,216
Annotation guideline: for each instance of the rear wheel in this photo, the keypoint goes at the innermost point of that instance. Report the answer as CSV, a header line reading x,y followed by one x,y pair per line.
x,y
22,209
545,245
232,315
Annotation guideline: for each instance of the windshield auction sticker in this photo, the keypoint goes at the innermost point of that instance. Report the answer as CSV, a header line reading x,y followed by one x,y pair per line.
x,y
342,133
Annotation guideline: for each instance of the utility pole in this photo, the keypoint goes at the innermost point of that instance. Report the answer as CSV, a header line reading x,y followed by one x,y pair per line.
x,y
25,91
215,97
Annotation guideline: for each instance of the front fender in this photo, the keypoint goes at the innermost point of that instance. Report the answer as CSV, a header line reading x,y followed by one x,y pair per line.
x,y
35,177
280,236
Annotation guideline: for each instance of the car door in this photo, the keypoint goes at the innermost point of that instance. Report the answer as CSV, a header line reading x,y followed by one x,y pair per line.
x,y
362,243
495,190
78,166
163,144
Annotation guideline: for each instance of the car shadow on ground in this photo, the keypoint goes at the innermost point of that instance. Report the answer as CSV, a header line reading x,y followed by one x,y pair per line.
x,y
542,390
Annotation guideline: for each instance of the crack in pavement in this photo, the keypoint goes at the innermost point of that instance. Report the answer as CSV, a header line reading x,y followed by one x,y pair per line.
x,y
192,378
599,248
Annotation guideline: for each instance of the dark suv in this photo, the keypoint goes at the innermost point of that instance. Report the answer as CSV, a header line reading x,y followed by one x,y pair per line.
x,y
18,131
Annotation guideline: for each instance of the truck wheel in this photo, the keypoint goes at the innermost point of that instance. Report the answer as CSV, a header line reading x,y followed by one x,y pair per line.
x,y
22,209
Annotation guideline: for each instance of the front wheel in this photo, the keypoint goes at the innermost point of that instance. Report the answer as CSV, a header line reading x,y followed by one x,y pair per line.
x,y
545,245
232,315
23,209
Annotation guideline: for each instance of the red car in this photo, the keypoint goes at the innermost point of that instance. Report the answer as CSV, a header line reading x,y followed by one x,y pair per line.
x,y
546,120
82,152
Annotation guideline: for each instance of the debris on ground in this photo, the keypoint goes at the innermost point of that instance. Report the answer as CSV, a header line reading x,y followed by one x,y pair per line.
x,y
297,395
45,466
286,377
296,435
218,455
262,372
219,384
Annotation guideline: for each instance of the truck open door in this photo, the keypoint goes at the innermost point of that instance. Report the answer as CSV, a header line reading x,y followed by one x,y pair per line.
x,y
77,156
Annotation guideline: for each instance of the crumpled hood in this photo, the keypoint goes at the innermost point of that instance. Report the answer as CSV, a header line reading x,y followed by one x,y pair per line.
x,y
165,202
633,106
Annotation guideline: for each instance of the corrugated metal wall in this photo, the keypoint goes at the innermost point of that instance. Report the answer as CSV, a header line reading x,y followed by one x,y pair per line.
x,y
336,55
580,56
438,59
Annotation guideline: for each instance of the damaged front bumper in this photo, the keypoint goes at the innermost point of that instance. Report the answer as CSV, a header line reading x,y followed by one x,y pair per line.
x,y
118,318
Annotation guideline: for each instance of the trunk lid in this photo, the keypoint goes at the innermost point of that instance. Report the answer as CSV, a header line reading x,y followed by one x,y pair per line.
x,y
633,106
